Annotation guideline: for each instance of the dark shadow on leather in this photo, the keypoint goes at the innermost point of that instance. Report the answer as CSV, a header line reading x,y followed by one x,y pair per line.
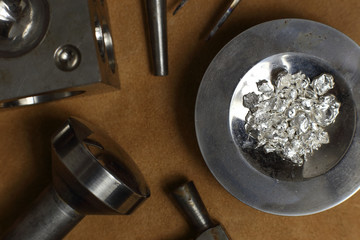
x,y
43,126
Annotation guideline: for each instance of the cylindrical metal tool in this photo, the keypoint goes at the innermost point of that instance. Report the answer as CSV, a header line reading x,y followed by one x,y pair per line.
x,y
189,201
91,175
49,218
156,13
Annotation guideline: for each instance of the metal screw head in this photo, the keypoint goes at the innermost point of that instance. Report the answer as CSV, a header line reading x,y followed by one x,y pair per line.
x,y
67,57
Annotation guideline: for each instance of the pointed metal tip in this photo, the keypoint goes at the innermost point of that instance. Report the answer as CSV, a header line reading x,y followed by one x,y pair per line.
x,y
214,30
176,9
209,37
181,4
223,18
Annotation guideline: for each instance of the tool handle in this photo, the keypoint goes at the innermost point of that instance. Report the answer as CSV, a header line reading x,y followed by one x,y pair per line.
x,y
189,200
49,218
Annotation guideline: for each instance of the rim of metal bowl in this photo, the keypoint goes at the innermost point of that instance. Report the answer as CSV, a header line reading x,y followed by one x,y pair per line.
x,y
214,135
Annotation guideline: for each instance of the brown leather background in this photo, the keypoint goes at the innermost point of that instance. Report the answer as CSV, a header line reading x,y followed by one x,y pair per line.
x,y
152,118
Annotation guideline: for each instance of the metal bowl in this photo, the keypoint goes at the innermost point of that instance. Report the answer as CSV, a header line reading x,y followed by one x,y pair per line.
x,y
332,174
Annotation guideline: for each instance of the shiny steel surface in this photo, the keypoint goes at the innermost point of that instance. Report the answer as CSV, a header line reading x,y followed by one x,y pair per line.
x,y
215,233
91,175
23,24
181,5
67,57
156,13
333,174
48,218
109,46
189,201
188,198
42,98
341,131
220,22
31,32
107,180
223,18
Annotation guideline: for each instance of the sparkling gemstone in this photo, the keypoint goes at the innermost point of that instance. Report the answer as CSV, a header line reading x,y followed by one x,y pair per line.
x,y
250,100
289,115
264,86
323,84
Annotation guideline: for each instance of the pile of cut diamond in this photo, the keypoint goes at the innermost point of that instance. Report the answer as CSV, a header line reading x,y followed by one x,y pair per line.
x,y
289,115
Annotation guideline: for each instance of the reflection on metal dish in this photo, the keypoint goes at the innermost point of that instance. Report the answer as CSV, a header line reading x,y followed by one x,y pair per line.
x,y
341,131
265,181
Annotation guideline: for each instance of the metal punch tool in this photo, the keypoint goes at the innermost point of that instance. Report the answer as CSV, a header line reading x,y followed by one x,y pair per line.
x,y
220,22
156,13
189,200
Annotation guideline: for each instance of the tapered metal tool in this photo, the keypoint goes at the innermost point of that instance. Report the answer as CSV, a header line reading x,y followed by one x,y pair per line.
x,y
189,201
181,4
220,22
224,17
91,175
156,11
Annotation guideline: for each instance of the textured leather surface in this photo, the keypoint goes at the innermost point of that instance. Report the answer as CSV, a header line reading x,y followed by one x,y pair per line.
x,y
152,118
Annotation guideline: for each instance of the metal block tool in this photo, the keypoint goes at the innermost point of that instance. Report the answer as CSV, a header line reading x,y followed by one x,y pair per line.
x,y
52,49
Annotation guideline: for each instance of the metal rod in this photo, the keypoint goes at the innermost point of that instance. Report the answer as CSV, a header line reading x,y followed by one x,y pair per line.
x,y
156,11
49,218
223,18
181,4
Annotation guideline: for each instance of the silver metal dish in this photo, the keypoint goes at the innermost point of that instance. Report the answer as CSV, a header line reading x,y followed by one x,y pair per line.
x,y
260,180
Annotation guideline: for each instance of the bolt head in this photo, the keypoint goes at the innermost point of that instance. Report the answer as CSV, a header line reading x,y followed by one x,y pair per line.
x,y
67,58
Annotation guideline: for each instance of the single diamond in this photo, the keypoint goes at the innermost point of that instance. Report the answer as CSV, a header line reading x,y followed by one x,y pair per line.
x,y
323,84
264,86
250,100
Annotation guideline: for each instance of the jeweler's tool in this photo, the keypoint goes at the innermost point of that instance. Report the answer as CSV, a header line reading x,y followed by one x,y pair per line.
x,y
156,12
220,22
181,4
91,175
225,16
189,200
